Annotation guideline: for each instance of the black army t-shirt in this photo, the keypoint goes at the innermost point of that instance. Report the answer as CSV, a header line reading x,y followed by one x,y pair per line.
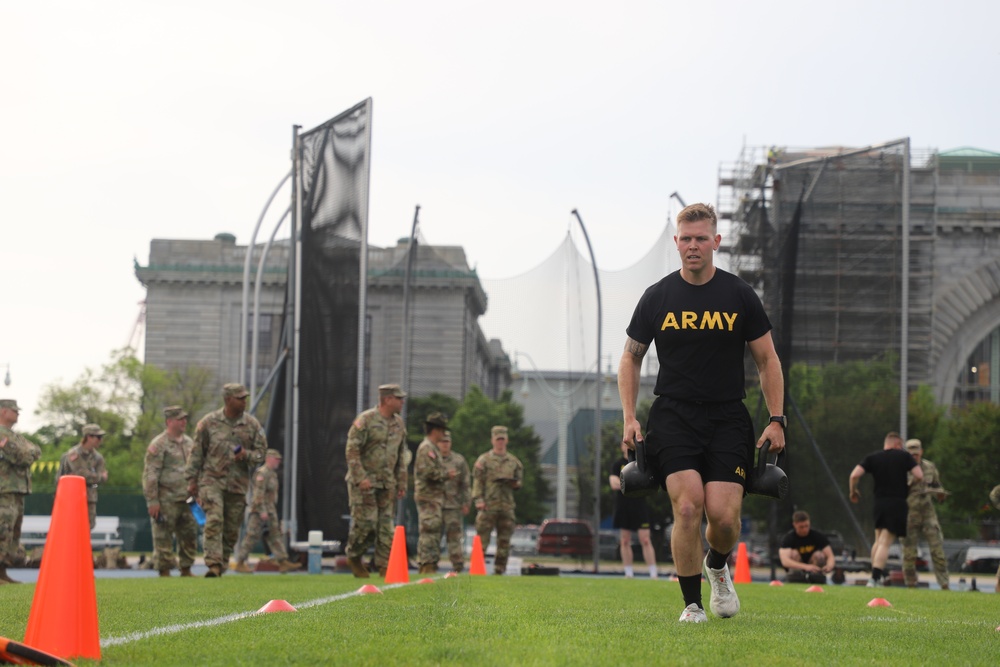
x,y
700,333
889,468
812,542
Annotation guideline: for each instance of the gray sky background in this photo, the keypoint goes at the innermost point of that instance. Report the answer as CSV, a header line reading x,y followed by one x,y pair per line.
x,y
127,121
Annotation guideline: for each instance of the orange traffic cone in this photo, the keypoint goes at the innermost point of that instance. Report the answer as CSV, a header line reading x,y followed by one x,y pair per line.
x,y
478,563
742,574
397,572
63,617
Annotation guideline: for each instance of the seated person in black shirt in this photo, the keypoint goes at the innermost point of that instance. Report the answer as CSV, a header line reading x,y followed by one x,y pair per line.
x,y
805,553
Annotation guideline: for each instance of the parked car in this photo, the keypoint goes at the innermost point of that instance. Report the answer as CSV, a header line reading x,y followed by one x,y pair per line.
x,y
565,537
524,541
981,559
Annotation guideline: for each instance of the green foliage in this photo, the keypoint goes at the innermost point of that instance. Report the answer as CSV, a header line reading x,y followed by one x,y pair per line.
x,y
965,452
417,409
124,397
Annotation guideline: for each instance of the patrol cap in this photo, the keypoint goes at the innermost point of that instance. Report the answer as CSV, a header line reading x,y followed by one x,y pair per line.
x,y
92,429
391,390
436,419
913,445
234,390
174,412
446,437
498,431
10,404
275,453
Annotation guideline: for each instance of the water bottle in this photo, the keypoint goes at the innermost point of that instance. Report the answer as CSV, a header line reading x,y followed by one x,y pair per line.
x,y
315,551
197,511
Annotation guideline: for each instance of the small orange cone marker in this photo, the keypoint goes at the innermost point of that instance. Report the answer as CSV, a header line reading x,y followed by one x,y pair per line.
x,y
775,582
814,589
276,605
742,574
369,589
397,572
879,602
478,564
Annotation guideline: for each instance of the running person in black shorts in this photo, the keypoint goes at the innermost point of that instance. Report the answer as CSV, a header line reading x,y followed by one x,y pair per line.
x,y
700,437
889,467
631,516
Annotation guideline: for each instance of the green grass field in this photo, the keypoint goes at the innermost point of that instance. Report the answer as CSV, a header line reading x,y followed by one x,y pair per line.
x,y
520,621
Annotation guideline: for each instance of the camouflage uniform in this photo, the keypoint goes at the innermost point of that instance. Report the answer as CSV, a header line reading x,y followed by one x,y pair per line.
x,y
495,476
456,497
163,484
89,464
16,456
429,475
995,499
223,481
264,500
374,451
921,520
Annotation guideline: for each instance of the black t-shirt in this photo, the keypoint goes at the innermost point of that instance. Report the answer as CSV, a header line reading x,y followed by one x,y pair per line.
x,y
889,468
700,333
806,546
625,503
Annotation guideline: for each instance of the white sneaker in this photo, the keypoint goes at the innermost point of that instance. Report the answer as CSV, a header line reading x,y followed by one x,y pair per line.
x,y
693,614
724,602
874,584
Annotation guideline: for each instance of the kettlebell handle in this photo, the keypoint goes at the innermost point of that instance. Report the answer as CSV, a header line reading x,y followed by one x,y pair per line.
x,y
762,457
638,454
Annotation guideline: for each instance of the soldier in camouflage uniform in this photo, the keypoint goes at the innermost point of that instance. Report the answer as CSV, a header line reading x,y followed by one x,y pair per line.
x,y
497,474
84,460
457,497
429,475
264,516
376,477
228,444
16,456
921,519
165,488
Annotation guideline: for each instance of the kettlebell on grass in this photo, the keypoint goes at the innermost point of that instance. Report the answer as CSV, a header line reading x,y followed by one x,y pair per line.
x,y
636,479
768,479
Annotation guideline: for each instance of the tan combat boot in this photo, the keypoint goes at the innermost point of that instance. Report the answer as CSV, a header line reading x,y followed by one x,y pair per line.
x,y
164,573
214,571
288,566
186,572
357,568
241,566
5,578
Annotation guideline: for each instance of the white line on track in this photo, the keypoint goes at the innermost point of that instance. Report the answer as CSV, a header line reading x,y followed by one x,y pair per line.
x,y
229,618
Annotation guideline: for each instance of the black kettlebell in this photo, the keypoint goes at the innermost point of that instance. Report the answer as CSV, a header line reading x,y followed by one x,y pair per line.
x,y
768,479
636,480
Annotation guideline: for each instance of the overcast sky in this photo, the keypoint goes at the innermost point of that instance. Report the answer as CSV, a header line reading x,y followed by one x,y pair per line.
x,y
127,121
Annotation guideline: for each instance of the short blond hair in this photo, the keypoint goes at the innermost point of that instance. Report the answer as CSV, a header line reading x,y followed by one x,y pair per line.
x,y
698,212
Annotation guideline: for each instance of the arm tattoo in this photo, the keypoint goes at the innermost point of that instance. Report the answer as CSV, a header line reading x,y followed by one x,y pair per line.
x,y
635,348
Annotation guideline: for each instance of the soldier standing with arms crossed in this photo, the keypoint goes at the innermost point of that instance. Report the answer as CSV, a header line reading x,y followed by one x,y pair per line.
x,y
922,520
165,489
84,460
496,475
264,515
429,475
16,456
376,478
228,444
457,497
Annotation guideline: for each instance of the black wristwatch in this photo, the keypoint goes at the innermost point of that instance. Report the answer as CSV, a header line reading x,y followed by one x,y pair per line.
x,y
781,419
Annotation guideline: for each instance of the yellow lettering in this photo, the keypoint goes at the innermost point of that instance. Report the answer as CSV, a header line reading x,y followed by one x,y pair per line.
x,y
730,319
741,472
711,320
669,322
689,320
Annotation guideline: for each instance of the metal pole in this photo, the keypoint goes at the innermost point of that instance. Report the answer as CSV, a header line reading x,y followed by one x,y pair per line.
x,y
291,336
363,270
255,342
410,259
244,316
904,329
597,403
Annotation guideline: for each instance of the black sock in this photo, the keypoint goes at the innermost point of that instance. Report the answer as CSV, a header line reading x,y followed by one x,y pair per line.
x,y
877,573
691,589
716,561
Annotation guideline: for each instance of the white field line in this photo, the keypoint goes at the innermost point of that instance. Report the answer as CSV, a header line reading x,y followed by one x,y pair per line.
x,y
229,618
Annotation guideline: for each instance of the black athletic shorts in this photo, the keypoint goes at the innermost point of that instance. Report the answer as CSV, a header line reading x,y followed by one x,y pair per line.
x,y
891,513
631,513
716,439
